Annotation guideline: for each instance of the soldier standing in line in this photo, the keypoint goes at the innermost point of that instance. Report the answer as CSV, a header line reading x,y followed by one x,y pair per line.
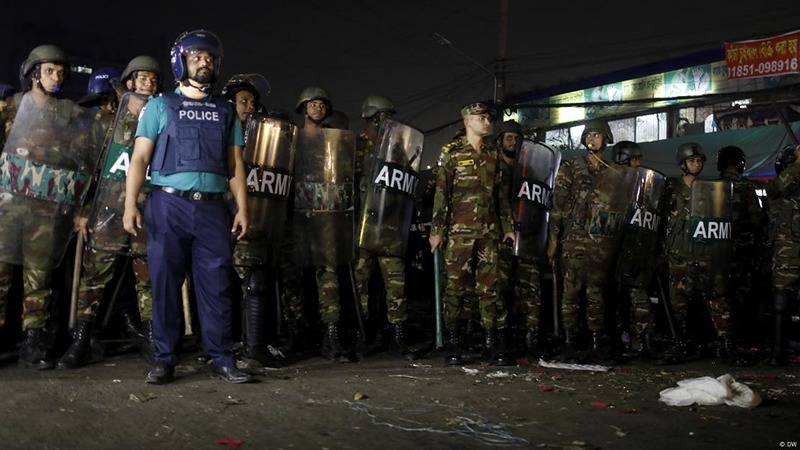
x,y
519,279
59,143
783,194
101,226
689,276
322,200
384,214
468,223
749,222
590,201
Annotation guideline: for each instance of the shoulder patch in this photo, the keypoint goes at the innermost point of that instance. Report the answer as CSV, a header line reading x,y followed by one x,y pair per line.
x,y
449,146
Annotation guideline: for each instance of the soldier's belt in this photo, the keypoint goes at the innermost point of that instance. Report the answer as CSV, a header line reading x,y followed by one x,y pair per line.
x,y
197,196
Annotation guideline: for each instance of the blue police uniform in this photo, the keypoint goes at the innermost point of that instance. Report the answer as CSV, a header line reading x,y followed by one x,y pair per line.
x,y
188,220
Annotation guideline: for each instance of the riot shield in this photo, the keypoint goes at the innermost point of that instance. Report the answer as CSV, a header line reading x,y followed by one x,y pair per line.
x,y
390,190
710,237
45,170
106,232
322,221
638,253
269,162
607,206
534,176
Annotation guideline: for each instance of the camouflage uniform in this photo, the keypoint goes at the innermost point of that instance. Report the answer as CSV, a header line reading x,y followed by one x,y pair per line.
x,y
392,267
588,252
678,248
784,211
465,214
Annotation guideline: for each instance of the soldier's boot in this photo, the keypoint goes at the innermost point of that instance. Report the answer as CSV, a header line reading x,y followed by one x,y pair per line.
x,y
453,347
780,337
255,352
602,349
31,353
331,348
470,330
728,353
494,351
674,353
532,346
148,344
132,327
569,353
397,343
80,351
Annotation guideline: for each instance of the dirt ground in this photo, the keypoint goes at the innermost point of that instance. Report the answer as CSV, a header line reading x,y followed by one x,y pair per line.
x,y
389,403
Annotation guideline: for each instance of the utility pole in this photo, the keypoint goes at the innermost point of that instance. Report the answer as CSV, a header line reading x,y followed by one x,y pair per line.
x,y
500,59
443,41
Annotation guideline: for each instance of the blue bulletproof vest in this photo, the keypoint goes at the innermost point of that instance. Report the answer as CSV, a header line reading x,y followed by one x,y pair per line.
x,y
196,137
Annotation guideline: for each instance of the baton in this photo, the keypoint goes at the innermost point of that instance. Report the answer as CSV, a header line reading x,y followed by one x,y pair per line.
x,y
667,308
785,124
438,291
359,315
76,281
556,331
187,313
115,294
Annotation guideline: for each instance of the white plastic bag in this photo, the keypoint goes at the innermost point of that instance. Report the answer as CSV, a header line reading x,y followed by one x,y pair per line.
x,y
711,391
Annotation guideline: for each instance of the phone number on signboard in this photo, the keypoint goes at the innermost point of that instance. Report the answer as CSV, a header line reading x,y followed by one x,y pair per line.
x,y
763,69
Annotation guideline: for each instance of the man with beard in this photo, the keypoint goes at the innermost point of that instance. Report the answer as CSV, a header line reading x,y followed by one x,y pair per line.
x,y
193,142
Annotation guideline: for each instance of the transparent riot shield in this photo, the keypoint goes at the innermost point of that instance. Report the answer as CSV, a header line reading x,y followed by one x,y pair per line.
x,y
534,176
609,202
106,232
638,253
391,184
711,238
269,162
45,171
322,220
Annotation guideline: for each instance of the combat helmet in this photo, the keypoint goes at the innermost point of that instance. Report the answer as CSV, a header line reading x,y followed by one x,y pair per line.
x,y
785,158
731,156
509,126
194,41
313,93
41,54
141,62
597,126
689,150
375,104
625,150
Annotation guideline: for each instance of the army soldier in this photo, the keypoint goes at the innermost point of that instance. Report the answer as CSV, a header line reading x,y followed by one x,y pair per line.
x,y
590,200
106,239
60,142
682,247
783,194
519,279
375,111
468,223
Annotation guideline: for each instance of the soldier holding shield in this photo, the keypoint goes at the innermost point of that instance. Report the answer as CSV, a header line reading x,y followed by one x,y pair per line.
x,y
45,169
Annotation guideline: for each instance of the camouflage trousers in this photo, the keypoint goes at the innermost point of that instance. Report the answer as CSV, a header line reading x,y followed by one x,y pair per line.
x,y
393,269
718,307
98,270
786,264
641,317
38,292
519,284
470,267
586,267
292,298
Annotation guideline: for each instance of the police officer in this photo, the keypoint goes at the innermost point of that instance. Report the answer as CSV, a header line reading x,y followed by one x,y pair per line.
x,y
468,224
784,211
588,253
189,225
141,76
691,158
375,110
519,279
35,233
748,228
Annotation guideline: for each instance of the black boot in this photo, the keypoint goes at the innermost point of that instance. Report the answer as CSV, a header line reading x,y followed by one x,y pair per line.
x,y
79,352
397,344
331,349
501,355
131,326
32,355
780,337
674,353
602,349
148,344
255,353
728,353
569,354
453,347
532,347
